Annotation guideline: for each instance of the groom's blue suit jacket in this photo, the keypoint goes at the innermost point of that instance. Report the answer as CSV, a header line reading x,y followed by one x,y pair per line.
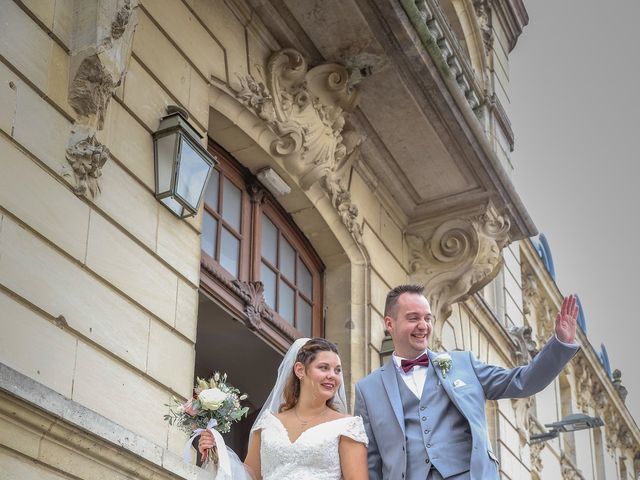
x,y
468,384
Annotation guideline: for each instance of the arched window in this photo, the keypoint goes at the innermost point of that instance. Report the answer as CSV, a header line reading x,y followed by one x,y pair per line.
x,y
248,237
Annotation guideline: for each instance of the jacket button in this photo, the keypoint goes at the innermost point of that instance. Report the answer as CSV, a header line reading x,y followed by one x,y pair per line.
x,y
422,408
403,448
428,445
427,461
424,418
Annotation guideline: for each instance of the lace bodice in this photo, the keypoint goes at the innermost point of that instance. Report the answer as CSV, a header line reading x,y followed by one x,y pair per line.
x,y
313,456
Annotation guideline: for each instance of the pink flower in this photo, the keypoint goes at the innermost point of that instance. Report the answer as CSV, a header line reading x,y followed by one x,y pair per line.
x,y
188,408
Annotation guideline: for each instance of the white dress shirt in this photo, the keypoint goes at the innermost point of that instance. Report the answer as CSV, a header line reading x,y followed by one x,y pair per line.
x,y
414,378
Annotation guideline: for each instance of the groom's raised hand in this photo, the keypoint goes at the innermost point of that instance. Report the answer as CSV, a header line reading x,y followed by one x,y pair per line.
x,y
566,320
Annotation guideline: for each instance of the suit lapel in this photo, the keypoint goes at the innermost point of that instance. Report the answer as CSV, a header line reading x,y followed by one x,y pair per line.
x,y
390,381
445,382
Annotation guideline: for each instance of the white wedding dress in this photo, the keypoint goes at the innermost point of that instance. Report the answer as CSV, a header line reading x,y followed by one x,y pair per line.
x,y
313,456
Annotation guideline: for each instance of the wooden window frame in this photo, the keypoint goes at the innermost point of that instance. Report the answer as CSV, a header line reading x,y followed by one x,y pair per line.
x,y
224,287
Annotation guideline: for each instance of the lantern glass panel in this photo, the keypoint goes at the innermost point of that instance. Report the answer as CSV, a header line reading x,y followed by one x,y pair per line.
x,y
165,158
173,205
192,175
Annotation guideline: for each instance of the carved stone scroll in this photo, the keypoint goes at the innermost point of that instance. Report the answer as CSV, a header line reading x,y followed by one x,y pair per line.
x,y
458,257
306,109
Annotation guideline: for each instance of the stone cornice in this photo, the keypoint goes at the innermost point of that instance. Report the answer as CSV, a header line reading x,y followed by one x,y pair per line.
x,y
514,18
93,441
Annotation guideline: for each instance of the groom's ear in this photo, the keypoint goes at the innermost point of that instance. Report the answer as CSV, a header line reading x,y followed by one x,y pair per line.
x,y
388,323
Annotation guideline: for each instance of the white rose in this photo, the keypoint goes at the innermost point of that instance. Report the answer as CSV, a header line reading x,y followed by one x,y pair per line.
x,y
443,357
212,398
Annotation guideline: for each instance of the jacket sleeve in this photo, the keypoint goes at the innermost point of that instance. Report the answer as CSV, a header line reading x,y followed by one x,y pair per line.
x,y
527,380
373,454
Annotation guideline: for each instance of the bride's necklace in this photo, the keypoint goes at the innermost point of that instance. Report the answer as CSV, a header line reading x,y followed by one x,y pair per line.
x,y
306,422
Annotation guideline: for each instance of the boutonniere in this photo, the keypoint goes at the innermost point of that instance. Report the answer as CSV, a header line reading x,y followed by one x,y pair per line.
x,y
444,362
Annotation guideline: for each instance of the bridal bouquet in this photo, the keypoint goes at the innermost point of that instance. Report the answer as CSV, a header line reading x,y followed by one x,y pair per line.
x,y
214,406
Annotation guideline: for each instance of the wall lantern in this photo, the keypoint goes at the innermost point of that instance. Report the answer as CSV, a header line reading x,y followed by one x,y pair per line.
x,y
570,423
182,164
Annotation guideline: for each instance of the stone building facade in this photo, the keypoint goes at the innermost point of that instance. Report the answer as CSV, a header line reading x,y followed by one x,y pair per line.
x,y
388,122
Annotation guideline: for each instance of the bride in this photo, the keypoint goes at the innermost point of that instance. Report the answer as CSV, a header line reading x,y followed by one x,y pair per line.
x,y
303,431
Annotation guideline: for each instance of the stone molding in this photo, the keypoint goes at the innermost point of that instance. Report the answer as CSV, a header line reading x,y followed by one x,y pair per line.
x,y
85,444
457,257
306,109
535,449
526,346
569,470
483,12
101,49
441,42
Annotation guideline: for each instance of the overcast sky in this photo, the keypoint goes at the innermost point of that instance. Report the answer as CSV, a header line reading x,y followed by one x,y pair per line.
x,y
575,80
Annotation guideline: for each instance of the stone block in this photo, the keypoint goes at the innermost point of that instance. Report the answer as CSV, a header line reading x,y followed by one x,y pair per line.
x,y
258,52
199,99
130,143
171,359
365,199
144,96
42,9
52,282
383,261
24,44
195,42
179,245
63,21
158,55
18,467
8,99
63,458
42,130
128,203
26,332
229,31
58,78
379,290
377,329
109,388
46,205
187,310
391,234
131,269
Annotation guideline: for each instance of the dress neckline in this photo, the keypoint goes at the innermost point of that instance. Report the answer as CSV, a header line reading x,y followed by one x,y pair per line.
x,y
286,432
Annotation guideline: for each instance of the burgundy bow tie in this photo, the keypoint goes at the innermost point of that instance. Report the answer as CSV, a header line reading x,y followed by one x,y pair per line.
x,y
422,360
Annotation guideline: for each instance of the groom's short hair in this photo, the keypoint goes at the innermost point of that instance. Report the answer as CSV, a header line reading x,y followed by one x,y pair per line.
x,y
390,305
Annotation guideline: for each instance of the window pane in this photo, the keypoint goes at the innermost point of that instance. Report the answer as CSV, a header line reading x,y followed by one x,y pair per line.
x,y
268,277
287,260
286,302
269,240
209,237
229,252
305,280
304,317
211,193
231,204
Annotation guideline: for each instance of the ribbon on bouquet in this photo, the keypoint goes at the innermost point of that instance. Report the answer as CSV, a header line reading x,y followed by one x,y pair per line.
x,y
224,464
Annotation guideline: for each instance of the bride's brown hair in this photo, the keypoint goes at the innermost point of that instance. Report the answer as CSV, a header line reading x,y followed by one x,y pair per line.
x,y
306,355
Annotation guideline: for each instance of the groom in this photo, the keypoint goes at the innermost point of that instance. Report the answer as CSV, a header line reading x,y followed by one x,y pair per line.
x,y
427,421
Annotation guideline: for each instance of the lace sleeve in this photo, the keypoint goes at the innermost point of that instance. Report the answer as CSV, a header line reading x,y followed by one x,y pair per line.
x,y
354,429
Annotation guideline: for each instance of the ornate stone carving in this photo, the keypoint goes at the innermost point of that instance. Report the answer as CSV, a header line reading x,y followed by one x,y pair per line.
x,y
458,257
255,307
535,449
306,108
617,383
87,157
102,41
569,470
526,349
521,408
483,11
